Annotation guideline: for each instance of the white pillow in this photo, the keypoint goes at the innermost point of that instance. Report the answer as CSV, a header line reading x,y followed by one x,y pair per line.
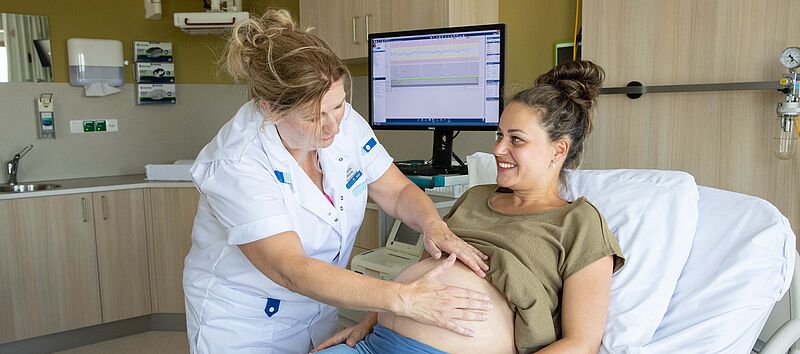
x,y
654,215
741,263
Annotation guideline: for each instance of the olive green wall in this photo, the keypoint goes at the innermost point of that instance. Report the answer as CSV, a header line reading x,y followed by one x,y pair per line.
x,y
533,27
124,20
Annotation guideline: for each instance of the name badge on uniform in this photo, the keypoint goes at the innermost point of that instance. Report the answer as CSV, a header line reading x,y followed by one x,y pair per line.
x,y
352,176
368,146
283,177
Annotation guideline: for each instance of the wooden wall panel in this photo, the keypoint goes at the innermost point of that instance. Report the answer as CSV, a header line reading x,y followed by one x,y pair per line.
x,y
724,139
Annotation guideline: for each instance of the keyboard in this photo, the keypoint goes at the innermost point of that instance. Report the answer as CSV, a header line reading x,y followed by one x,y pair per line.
x,y
428,170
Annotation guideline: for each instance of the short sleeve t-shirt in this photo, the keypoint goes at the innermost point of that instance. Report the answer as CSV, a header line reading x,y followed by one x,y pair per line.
x,y
530,256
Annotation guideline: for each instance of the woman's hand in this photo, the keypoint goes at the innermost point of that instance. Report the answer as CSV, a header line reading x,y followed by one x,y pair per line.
x,y
429,301
438,238
349,335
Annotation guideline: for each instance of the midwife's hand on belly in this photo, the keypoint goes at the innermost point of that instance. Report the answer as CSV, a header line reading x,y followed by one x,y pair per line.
x,y
495,335
429,301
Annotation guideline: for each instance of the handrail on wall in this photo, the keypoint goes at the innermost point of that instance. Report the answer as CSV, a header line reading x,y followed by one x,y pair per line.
x,y
635,89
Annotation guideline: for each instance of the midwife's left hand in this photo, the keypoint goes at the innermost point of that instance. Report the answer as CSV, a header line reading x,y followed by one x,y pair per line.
x,y
438,238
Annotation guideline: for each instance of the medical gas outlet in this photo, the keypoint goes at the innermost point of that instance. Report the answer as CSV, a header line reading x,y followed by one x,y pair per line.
x,y
786,131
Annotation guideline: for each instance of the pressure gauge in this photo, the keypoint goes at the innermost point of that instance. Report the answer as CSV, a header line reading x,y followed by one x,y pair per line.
x,y
790,58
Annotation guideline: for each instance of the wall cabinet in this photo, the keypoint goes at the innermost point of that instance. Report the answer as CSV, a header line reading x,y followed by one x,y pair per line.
x,y
170,219
345,24
122,253
48,266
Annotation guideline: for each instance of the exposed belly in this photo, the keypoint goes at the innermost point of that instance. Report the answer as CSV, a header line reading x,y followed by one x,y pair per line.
x,y
495,335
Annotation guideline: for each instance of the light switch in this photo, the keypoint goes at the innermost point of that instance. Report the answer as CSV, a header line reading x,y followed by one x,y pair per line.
x,y
112,125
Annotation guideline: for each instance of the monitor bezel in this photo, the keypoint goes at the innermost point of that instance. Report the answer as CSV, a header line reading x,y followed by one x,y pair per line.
x,y
476,28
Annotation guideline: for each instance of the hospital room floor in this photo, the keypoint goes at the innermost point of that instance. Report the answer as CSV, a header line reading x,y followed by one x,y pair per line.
x,y
147,342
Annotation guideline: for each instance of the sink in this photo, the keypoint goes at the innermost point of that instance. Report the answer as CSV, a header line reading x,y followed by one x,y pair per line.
x,y
26,187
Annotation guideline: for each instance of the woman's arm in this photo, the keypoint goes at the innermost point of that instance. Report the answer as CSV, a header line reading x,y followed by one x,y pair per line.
x,y
399,197
282,259
584,308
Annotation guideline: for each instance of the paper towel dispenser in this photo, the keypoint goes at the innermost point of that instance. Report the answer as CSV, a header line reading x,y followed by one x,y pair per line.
x,y
96,64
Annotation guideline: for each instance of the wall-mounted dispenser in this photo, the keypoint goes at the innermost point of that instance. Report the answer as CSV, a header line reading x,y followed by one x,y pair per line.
x,y
44,113
96,64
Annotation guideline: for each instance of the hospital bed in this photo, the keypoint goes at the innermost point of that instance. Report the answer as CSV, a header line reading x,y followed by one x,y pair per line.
x,y
704,267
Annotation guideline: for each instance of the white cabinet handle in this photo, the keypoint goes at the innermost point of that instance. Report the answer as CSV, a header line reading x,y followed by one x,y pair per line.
x,y
366,25
355,40
85,209
105,206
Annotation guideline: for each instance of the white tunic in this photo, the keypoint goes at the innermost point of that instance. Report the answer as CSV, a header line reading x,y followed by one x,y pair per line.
x,y
252,188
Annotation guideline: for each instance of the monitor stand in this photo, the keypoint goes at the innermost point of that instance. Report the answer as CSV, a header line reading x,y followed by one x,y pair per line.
x,y
441,160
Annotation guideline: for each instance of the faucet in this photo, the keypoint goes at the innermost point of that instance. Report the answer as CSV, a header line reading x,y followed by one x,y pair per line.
x,y
13,165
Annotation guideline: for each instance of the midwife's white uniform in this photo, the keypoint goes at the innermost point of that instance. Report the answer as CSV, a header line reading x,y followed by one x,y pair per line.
x,y
252,188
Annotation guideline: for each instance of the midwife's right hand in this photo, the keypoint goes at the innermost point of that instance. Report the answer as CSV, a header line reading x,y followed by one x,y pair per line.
x,y
432,302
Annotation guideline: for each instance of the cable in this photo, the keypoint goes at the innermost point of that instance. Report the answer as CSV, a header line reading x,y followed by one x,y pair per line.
x,y
575,32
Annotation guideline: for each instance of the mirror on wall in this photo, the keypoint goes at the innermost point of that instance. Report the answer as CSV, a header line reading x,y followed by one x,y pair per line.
x,y
25,48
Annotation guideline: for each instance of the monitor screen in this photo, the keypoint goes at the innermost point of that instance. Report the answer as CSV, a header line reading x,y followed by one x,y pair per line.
x,y
448,78
407,235
443,79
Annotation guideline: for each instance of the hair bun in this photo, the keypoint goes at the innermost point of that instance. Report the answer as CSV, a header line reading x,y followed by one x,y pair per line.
x,y
579,80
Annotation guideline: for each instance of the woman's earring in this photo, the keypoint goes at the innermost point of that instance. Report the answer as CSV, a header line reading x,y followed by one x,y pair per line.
x,y
553,163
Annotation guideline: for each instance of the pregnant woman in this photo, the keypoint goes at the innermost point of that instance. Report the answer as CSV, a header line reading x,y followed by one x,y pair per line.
x,y
551,261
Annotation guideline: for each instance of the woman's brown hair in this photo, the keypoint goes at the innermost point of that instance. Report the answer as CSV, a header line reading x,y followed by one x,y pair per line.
x,y
566,97
287,68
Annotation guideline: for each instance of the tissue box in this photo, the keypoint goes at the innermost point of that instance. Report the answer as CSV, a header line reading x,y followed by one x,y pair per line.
x,y
155,73
178,171
145,51
155,94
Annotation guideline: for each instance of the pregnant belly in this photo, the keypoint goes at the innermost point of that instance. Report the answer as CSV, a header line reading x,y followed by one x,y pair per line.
x,y
495,335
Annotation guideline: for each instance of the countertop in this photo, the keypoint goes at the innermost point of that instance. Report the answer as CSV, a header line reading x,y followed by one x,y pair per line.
x,y
96,184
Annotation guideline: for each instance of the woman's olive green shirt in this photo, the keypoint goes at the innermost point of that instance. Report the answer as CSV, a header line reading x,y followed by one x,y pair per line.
x,y
530,256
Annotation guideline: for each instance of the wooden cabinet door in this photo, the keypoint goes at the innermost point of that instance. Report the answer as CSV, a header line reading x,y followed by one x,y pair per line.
x,y
171,215
394,15
48,266
338,22
122,254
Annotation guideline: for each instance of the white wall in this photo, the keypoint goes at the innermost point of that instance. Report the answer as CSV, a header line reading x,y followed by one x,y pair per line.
x,y
153,134
148,134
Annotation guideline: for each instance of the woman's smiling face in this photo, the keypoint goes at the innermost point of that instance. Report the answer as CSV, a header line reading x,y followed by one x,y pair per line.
x,y
523,151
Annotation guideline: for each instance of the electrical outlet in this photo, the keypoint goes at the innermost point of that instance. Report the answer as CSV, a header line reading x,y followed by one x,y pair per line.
x,y
93,126
88,126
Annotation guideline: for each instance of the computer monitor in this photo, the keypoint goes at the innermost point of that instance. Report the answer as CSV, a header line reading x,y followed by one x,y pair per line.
x,y
444,79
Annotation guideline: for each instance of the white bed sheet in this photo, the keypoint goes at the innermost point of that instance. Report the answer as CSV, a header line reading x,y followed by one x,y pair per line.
x,y
740,264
